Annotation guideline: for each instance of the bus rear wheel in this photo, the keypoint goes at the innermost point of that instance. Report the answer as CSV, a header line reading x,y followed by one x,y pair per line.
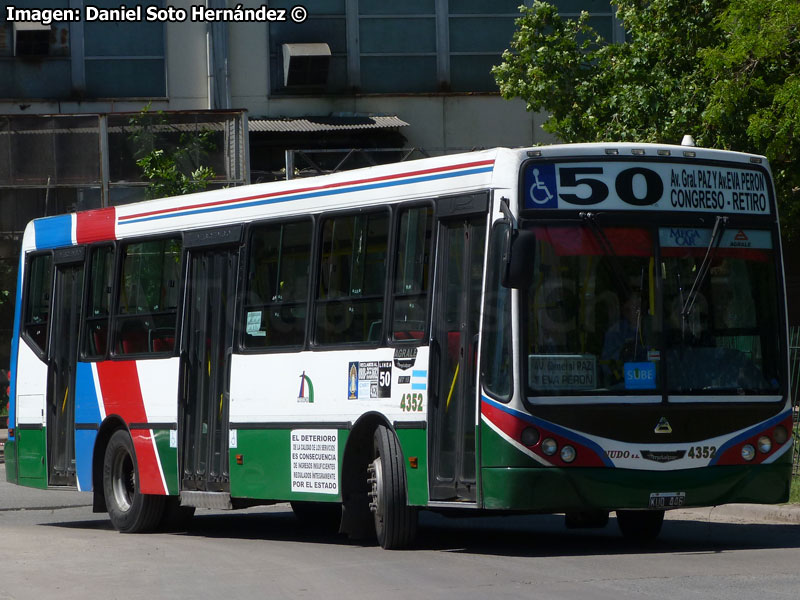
x,y
395,521
640,525
129,510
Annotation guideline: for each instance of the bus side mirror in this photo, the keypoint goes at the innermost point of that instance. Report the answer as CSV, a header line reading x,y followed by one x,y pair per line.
x,y
518,258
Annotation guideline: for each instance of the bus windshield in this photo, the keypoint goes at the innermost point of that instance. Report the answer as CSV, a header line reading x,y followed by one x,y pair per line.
x,y
612,311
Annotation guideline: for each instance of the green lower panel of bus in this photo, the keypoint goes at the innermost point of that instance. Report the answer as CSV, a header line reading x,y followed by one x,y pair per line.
x,y
31,451
414,443
550,489
282,464
10,458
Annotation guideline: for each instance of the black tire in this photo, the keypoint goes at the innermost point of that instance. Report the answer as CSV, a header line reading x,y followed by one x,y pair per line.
x,y
395,520
129,510
640,525
324,516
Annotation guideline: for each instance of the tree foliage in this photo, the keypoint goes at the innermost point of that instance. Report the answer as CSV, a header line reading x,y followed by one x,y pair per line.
x,y
725,71
755,91
172,169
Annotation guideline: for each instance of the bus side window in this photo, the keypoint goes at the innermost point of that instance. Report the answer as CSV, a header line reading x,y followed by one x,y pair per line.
x,y
98,309
349,306
37,303
147,312
277,285
412,273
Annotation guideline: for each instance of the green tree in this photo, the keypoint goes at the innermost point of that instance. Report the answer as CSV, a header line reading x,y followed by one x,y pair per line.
x,y
725,71
755,91
172,169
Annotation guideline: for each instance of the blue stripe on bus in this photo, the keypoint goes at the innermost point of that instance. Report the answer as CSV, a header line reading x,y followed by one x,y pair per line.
x,y
84,448
52,232
317,194
87,410
557,429
419,386
12,375
419,373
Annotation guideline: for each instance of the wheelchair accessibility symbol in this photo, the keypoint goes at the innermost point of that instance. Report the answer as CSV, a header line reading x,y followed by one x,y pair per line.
x,y
541,185
539,188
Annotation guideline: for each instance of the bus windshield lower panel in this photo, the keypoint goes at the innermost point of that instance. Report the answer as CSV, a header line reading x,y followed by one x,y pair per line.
x,y
631,314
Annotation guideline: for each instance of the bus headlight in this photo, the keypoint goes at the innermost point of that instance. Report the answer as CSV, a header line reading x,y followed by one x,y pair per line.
x,y
568,454
549,446
748,452
780,435
764,444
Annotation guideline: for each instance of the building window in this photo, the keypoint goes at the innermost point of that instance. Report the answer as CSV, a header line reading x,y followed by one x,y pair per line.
x,y
82,59
416,45
124,59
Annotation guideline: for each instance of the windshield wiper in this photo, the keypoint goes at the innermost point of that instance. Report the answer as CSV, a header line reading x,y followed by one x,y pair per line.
x,y
608,250
713,244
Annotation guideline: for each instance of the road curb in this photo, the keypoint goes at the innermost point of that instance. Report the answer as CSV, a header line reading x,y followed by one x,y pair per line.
x,y
727,513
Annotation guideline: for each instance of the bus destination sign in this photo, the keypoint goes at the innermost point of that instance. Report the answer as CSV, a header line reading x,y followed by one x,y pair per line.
x,y
626,185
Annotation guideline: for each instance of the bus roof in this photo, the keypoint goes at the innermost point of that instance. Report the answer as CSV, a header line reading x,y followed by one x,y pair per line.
x,y
417,179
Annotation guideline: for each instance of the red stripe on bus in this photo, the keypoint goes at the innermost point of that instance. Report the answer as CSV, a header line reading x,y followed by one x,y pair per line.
x,y
308,189
122,396
150,481
96,225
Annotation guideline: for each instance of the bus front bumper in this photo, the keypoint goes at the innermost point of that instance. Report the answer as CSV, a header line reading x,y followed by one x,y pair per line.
x,y
551,489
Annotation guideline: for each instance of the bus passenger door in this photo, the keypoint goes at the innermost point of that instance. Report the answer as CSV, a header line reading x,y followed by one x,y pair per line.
x,y
206,364
456,307
65,327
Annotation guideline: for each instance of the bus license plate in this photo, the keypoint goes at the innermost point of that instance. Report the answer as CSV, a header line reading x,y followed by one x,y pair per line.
x,y
660,500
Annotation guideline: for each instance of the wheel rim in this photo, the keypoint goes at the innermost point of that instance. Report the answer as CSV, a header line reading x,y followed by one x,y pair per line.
x,y
376,492
123,480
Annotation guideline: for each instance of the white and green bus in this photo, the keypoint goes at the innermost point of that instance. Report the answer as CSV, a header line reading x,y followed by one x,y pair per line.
x,y
571,329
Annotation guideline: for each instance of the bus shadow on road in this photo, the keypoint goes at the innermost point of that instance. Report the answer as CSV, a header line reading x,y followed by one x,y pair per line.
x,y
524,536
547,536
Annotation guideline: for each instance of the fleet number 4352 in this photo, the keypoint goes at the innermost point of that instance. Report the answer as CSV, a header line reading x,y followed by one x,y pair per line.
x,y
411,402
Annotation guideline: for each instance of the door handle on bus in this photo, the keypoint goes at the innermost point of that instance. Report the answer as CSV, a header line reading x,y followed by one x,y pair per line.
x,y
184,375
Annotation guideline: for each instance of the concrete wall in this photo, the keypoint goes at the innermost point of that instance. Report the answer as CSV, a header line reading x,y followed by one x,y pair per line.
x,y
438,122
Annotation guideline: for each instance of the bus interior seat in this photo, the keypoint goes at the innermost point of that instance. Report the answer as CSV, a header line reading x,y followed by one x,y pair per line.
x,y
162,340
133,337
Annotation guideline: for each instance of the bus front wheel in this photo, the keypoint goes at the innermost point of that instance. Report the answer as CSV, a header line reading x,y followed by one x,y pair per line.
x,y
395,521
129,510
640,525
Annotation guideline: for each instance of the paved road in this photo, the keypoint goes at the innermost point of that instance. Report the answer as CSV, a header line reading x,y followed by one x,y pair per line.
x,y
56,548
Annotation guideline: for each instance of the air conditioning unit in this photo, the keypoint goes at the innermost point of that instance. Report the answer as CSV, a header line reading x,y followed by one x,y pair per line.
x,y
31,38
305,65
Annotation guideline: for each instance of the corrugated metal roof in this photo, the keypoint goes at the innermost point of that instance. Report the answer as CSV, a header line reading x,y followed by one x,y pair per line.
x,y
285,125
312,124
